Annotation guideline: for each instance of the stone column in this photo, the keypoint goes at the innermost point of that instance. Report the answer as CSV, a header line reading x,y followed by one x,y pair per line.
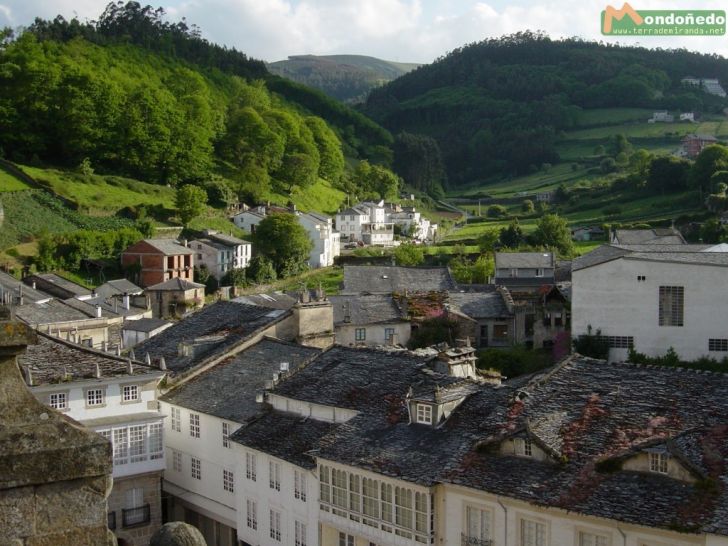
x,y
55,475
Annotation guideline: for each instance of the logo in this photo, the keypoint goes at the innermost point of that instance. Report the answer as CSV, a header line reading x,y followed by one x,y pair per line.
x,y
628,21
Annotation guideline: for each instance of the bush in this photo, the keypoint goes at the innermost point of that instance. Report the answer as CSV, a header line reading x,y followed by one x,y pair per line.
x,y
432,331
591,345
496,211
514,361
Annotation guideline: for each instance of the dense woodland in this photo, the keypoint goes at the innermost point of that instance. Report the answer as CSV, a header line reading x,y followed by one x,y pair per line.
x,y
499,106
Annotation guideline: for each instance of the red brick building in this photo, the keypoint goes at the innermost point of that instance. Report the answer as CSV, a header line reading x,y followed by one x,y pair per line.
x,y
694,144
153,261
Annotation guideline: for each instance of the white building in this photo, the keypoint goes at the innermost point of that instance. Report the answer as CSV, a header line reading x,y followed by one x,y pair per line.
x,y
135,331
204,473
369,321
320,229
221,253
118,399
368,222
709,85
662,116
412,223
653,297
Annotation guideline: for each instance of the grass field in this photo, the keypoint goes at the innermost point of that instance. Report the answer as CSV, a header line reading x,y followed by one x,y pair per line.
x,y
320,197
612,116
9,183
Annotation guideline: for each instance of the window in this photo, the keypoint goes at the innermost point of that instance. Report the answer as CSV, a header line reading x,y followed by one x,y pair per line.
x,y
618,342
338,488
324,484
275,525
228,481
641,278
274,475
671,305
196,468
299,485
121,446
500,332
354,494
424,414
176,421
658,462
388,334
421,512
195,425
252,514
523,447
539,272
533,533
360,334
593,539
176,461
477,525
95,397
300,533
713,345
346,540
226,435
58,400
403,507
156,445
136,512
137,443
250,466
387,503
130,393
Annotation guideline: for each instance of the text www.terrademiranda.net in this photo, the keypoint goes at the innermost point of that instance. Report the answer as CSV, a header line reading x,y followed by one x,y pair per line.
x,y
669,31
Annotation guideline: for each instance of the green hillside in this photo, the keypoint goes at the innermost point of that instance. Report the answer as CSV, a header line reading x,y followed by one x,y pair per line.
x,y
507,106
347,78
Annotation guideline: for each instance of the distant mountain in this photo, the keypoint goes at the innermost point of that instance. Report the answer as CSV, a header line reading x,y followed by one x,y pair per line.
x,y
345,77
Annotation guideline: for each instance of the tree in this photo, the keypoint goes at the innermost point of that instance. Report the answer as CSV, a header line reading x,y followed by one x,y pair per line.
x,y
527,206
496,211
511,236
713,158
376,179
281,238
190,202
488,240
260,270
552,231
719,182
418,160
668,173
639,163
713,232
408,255
608,165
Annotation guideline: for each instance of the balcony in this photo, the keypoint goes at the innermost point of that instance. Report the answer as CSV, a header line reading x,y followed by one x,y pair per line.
x,y
466,540
135,517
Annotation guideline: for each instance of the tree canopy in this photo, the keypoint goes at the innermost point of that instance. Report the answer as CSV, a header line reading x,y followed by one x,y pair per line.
x,y
552,231
280,238
190,202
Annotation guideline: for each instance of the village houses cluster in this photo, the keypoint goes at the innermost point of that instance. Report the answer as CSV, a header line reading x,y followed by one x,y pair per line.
x,y
301,418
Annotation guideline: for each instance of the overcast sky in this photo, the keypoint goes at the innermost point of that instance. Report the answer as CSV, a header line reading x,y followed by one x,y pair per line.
x,y
398,30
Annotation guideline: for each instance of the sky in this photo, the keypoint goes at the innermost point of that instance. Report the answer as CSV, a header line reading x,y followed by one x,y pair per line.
x,y
397,30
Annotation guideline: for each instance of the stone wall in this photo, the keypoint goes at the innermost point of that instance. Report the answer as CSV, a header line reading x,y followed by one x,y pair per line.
x,y
138,535
54,474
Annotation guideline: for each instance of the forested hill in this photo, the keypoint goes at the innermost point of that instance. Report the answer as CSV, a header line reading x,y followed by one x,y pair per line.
x,y
347,78
500,106
152,100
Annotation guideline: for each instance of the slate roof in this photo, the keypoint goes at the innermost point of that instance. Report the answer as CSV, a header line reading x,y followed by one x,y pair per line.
x,y
50,312
524,260
370,309
168,247
236,380
302,435
175,284
479,305
585,411
273,300
695,254
228,240
145,324
224,323
117,287
376,279
56,285
11,285
657,236
52,360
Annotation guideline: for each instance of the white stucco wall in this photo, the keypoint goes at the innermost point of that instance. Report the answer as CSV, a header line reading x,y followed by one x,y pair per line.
x,y
609,297
375,333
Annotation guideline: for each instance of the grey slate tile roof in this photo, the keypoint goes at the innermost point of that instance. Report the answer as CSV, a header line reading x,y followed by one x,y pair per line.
x,y
117,287
175,284
369,309
228,323
479,305
301,436
11,285
56,285
375,279
145,324
524,260
49,312
53,360
273,300
695,254
236,381
168,247
657,236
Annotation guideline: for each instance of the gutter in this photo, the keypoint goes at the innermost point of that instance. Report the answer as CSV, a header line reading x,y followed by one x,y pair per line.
x,y
505,513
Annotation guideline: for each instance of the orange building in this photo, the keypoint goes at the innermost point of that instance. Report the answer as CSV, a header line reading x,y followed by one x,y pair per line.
x,y
153,261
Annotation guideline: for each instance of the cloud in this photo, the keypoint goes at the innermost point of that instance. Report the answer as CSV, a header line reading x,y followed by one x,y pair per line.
x,y
403,30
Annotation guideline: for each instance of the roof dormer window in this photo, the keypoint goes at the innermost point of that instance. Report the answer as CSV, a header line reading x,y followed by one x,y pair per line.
x,y
424,414
658,462
523,447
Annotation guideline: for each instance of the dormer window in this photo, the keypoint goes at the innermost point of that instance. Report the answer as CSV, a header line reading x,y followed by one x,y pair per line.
x,y
658,462
424,414
523,447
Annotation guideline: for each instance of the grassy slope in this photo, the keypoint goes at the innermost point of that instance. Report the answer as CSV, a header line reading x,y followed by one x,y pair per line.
x,y
9,183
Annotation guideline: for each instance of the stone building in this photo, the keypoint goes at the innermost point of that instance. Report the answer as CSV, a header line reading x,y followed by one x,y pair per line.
x,y
175,297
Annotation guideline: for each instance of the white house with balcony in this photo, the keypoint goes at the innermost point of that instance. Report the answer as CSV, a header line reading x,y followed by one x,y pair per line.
x,y
117,398
368,222
653,297
221,253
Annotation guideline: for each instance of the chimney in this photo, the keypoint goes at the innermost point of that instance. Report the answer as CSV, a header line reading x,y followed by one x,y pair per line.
x,y
132,356
285,367
162,363
104,346
118,350
98,311
148,360
98,371
129,367
126,301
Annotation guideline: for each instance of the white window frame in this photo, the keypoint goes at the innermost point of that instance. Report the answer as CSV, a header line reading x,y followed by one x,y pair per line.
x,y
58,400
130,394
176,420
251,514
226,434
275,525
477,522
176,461
274,475
95,397
228,481
591,537
195,468
300,533
523,447
659,461
250,466
299,485
524,533
423,414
